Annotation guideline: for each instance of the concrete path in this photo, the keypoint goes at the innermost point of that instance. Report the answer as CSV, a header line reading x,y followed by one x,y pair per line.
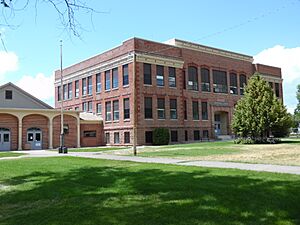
x,y
211,164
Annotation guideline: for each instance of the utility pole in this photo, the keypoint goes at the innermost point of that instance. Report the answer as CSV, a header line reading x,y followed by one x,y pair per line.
x,y
134,107
61,147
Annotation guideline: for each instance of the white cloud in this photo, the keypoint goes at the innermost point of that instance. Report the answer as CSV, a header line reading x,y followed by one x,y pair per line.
x,y
288,60
8,63
40,86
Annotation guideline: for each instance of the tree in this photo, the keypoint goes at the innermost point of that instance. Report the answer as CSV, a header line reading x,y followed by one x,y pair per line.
x,y
297,110
259,113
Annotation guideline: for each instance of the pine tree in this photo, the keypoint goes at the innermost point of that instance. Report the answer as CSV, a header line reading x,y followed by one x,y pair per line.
x,y
259,112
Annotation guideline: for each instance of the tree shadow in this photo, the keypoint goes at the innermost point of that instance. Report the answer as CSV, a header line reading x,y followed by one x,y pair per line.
x,y
149,194
297,141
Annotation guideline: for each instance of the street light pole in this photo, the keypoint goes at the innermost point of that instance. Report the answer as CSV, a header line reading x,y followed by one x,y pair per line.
x,y
61,105
134,107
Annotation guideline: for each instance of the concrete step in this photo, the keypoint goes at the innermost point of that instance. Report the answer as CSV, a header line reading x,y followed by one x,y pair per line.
x,y
224,137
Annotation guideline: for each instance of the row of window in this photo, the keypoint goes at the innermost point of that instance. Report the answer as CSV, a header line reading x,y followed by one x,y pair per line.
x,y
112,110
116,136
111,78
174,136
148,109
160,76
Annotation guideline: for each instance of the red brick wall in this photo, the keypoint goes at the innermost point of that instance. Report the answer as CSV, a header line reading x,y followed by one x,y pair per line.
x,y
37,121
71,137
270,70
91,141
10,122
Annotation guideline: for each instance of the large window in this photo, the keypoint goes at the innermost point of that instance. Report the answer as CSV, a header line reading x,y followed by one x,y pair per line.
x,y
220,81
148,107
58,93
76,88
173,109
160,108
196,135
159,75
83,86
172,77
233,84
147,74
107,138
115,78
108,111
98,82
90,106
65,91
204,110
84,106
99,109
195,110
174,136
107,80
243,83
205,80
126,137
70,89
90,85
116,110
125,75
116,137
192,78
149,137
185,109
277,90
126,107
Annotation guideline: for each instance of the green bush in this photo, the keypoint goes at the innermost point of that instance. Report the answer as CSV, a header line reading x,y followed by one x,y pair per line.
x,y
247,141
161,136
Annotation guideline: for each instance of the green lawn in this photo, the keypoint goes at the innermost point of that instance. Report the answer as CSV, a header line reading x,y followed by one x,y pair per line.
x,y
10,154
70,190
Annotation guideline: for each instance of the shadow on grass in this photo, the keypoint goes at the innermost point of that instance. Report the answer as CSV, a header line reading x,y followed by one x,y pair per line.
x,y
122,195
290,141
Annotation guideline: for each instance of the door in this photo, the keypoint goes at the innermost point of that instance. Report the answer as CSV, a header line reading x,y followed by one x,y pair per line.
x,y
34,137
217,124
4,139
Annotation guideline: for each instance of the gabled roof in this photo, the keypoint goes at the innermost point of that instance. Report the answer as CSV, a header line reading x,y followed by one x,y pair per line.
x,y
26,94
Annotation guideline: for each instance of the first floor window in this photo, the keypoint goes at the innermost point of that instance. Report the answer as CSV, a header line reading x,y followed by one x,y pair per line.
x,y
126,108
148,107
108,111
126,137
117,138
116,109
195,110
174,136
204,111
196,135
90,133
173,109
149,137
186,135
107,138
161,108
205,134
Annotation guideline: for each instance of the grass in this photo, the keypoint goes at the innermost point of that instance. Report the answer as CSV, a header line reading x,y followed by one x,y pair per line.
x,y
10,154
70,190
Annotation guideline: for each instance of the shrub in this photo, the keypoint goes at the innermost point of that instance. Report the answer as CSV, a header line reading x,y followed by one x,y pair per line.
x,y
161,136
257,141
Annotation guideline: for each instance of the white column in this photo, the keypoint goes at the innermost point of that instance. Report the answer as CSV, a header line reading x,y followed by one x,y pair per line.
x,y
20,127
78,132
50,133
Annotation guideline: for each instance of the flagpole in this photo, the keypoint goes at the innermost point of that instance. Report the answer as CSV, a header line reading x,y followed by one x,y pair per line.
x,y
61,147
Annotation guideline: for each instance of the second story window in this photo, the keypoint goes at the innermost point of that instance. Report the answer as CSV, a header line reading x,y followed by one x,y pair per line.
x,y
126,107
107,111
115,78
116,110
76,88
65,91
70,89
107,80
58,93
204,110
205,80
172,77
84,106
233,84
90,85
277,91
173,109
243,83
192,78
160,76
98,82
90,106
84,91
148,107
125,75
147,74
220,81
99,109
160,108
195,110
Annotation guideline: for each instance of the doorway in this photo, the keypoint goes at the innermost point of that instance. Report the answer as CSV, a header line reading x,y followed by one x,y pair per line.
x,y
5,139
34,138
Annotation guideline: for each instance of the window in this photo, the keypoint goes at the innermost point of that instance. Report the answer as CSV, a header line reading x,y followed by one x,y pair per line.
x,y
65,87
107,138
148,107
70,91
84,106
173,109
205,134
243,83
76,88
115,78
186,135
159,75
126,137
108,111
277,89
90,106
205,80
77,108
192,78
147,74
233,84
89,133
149,137
174,136
126,107
58,93
90,85
195,110
172,77
98,82
184,79
107,80
204,110
116,110
271,84
196,135
160,108
125,75
83,86
220,81
116,137
8,94
99,108
185,109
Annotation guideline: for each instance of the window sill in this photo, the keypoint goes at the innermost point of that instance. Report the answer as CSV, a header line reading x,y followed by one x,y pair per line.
x,y
107,90
160,86
173,87
196,120
116,121
161,119
205,120
148,85
148,118
113,89
174,119
108,121
126,120
98,92
126,86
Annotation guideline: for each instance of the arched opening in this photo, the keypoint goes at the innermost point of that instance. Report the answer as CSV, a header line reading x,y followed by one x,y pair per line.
x,y
5,139
9,122
34,138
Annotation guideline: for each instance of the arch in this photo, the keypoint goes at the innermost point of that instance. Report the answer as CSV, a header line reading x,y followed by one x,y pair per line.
x,y
192,78
11,122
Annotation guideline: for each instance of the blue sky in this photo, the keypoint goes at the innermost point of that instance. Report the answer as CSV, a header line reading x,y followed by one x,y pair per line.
x,y
268,30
